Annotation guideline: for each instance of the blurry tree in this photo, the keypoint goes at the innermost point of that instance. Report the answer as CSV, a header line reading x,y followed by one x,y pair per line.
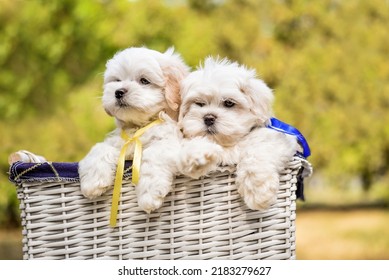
x,y
237,28
47,48
203,6
335,82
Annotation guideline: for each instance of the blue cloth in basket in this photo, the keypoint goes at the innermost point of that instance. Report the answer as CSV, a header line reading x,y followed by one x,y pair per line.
x,y
49,172
68,172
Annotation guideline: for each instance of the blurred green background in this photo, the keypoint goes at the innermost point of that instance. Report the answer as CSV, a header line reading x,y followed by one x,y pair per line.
x,y
327,62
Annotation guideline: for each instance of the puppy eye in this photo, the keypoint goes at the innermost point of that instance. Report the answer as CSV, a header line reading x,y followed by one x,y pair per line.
x,y
113,79
200,104
144,81
229,103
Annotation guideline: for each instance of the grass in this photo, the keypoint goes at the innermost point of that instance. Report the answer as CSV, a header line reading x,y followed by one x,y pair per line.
x,y
11,244
337,235
321,235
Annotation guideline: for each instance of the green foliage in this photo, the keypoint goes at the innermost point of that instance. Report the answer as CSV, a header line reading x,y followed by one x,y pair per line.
x,y
337,78
48,48
325,60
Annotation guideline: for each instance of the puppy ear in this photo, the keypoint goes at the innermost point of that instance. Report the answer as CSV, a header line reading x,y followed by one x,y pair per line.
x,y
172,90
261,97
183,110
174,70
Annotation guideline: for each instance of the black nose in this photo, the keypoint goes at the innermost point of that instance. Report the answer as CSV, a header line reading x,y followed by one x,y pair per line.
x,y
209,119
120,93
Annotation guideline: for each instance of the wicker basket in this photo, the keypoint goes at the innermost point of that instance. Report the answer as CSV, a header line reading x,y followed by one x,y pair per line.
x,y
200,219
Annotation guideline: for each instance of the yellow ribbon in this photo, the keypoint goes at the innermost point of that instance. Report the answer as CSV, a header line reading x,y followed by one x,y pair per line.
x,y
135,166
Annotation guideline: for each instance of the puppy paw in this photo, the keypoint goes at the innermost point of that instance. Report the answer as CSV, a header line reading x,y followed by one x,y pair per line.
x,y
148,202
92,189
200,160
152,198
258,189
95,179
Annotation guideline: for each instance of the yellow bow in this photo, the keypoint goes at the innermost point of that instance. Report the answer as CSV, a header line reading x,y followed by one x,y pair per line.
x,y
135,166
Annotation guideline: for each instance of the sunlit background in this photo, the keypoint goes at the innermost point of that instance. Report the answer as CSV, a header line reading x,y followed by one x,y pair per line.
x,y
327,62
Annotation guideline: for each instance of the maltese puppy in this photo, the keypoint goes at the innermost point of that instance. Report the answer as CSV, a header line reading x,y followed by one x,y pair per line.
x,y
139,83
223,117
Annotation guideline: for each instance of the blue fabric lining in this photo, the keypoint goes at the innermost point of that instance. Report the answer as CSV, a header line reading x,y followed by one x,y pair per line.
x,y
21,172
49,172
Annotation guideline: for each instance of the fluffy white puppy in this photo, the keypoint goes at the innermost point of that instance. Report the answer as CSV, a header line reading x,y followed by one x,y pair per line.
x,y
139,83
224,111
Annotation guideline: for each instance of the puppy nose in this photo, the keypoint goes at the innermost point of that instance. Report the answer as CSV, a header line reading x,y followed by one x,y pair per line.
x,y
120,93
209,119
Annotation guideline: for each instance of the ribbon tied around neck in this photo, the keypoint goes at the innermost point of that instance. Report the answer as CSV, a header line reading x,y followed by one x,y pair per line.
x,y
135,166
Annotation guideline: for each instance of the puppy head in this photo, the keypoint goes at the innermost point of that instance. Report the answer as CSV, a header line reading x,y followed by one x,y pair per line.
x,y
139,83
223,101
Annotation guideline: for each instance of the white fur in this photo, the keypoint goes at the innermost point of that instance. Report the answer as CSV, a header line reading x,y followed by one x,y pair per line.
x,y
238,135
149,84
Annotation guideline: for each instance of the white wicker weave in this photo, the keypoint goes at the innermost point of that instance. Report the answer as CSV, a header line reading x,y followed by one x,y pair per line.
x,y
200,219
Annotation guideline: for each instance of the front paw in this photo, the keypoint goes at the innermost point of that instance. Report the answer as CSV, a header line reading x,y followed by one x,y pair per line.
x,y
149,203
258,189
152,198
95,179
200,160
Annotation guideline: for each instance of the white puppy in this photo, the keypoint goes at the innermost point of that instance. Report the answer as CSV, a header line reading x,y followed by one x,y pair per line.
x,y
224,112
139,83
